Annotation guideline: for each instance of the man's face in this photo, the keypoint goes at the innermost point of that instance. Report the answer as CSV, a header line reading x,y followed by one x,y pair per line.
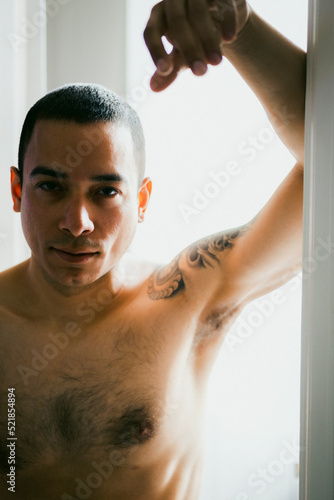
x,y
79,202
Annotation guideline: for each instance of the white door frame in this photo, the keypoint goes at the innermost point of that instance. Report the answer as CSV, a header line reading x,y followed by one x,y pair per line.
x,y
317,370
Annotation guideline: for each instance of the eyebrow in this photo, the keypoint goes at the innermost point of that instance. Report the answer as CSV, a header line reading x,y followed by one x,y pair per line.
x,y
47,171
40,170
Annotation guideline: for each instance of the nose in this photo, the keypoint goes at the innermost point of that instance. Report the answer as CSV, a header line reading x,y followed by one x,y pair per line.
x,y
76,219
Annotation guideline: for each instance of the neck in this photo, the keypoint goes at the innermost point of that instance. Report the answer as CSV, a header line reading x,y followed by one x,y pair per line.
x,y
56,301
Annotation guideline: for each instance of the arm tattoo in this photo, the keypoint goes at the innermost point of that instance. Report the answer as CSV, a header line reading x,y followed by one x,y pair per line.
x,y
205,253
168,281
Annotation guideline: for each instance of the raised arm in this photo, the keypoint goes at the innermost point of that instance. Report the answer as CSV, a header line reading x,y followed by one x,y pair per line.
x,y
201,31
223,272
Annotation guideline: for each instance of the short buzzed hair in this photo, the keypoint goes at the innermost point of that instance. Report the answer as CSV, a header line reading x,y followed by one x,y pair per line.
x,y
84,103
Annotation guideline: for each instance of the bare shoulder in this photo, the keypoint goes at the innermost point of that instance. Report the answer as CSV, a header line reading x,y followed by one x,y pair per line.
x,y
10,290
8,275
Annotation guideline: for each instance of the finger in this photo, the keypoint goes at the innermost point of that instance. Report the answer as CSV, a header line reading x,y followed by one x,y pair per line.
x,y
183,36
161,82
227,14
155,29
202,24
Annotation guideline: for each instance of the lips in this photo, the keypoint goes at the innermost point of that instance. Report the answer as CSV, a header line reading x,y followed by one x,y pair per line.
x,y
76,257
77,252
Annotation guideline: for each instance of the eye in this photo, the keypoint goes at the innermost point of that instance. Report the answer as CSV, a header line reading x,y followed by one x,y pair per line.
x,y
107,191
49,186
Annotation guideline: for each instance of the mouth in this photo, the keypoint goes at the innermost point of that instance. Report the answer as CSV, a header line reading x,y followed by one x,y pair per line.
x,y
75,257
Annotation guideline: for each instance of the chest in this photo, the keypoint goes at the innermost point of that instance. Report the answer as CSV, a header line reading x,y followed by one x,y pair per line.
x,y
79,394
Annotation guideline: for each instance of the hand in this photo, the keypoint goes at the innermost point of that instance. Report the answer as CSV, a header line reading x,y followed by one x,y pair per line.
x,y
196,29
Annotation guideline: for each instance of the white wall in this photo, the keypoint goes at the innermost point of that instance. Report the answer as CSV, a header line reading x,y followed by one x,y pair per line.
x,y
86,43
22,64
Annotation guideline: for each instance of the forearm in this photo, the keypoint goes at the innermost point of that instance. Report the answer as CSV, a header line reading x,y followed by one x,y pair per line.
x,y
275,69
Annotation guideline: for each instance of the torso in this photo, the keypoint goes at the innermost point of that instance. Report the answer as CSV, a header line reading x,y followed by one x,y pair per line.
x,y
111,405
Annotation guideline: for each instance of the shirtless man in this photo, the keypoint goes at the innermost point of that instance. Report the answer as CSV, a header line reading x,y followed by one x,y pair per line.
x,y
108,360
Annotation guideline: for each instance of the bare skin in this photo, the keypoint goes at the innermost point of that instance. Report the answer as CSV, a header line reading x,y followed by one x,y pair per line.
x,y
110,358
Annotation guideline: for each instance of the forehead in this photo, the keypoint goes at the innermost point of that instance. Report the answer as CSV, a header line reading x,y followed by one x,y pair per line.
x,y
81,149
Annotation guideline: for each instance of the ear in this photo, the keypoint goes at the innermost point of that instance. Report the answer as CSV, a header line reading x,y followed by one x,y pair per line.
x,y
16,187
144,197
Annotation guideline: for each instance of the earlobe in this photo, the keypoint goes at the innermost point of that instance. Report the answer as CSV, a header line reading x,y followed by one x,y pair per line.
x,y
16,188
144,197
